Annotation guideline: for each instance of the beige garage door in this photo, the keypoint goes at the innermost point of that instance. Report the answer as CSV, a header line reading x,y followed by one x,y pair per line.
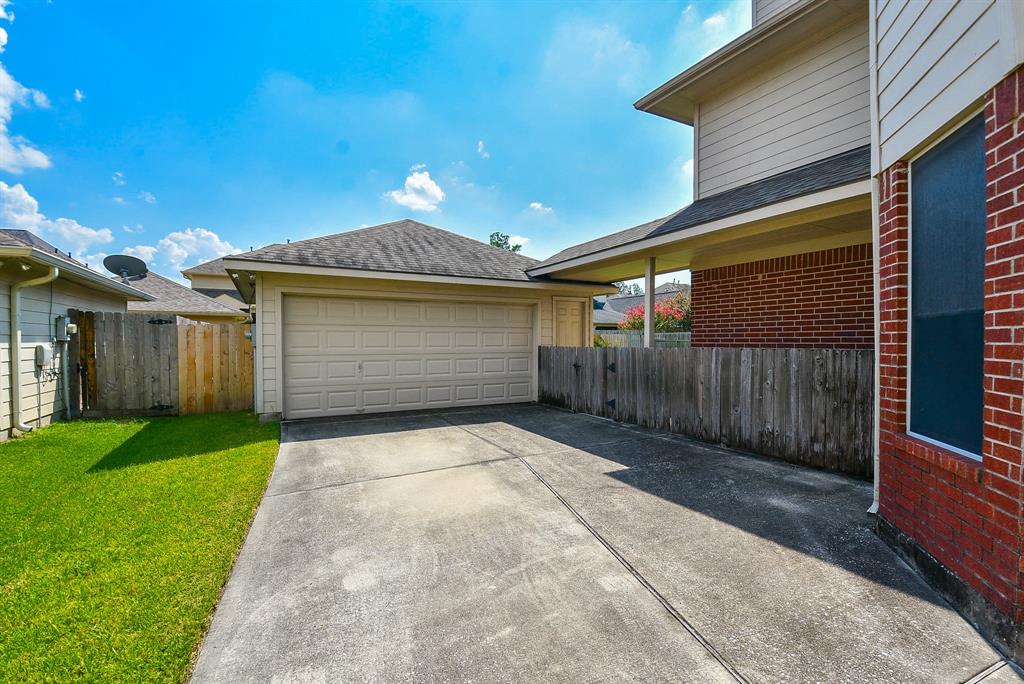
x,y
344,356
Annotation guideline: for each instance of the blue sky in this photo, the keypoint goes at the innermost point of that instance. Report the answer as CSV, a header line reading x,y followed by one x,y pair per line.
x,y
179,134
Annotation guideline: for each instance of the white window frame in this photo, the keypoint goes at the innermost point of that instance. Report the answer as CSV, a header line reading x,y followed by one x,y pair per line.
x,y
956,126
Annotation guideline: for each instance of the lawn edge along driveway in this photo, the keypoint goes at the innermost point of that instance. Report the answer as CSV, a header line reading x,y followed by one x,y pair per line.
x,y
119,537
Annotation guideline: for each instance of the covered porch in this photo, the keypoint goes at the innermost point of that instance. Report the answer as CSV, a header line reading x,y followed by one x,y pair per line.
x,y
783,262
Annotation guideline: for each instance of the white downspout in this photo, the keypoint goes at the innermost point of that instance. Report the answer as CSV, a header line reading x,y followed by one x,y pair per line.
x,y
15,344
876,170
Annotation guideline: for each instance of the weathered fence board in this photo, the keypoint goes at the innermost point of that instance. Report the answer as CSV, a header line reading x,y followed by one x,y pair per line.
x,y
810,406
145,364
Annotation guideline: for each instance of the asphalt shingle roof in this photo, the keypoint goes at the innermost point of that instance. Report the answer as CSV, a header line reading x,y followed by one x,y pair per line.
x,y
404,246
607,316
832,172
212,267
623,304
172,297
23,238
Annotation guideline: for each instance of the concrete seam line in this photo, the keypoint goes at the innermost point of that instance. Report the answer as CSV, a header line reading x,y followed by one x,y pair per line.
x,y
987,672
679,617
390,477
676,615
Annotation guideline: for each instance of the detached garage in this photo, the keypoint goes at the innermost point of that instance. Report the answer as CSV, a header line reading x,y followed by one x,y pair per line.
x,y
401,316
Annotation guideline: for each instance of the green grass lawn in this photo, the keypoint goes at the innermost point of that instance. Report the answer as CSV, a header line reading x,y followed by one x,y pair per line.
x,y
116,538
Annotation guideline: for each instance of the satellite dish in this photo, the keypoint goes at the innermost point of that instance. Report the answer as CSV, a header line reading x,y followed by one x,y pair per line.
x,y
126,266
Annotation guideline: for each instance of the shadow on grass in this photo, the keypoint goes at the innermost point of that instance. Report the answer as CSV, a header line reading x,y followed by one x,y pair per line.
x,y
175,437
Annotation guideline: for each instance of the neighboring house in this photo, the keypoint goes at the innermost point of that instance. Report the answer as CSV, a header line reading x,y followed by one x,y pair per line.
x,y
212,280
38,284
838,143
662,293
605,318
401,316
610,310
174,299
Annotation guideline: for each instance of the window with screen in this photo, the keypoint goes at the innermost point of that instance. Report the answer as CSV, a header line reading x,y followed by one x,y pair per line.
x,y
947,288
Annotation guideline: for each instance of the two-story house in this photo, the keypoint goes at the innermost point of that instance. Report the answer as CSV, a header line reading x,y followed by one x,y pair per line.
x,y
859,183
778,238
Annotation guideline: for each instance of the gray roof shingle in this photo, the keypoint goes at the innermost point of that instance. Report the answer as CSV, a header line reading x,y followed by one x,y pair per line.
x,y
607,316
172,297
10,237
212,267
832,172
404,246
623,304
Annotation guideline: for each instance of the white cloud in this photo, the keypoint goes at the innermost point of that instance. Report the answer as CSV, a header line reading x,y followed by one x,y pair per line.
x,y
147,197
539,208
583,54
137,228
687,169
117,200
79,95
118,178
420,192
16,153
484,154
518,240
20,210
144,252
705,34
192,246
94,261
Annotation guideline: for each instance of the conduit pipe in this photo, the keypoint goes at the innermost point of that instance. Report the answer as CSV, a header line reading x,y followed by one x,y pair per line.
x,y
15,343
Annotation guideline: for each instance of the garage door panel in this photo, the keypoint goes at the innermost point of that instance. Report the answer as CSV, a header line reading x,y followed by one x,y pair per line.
x,y
341,370
408,312
352,356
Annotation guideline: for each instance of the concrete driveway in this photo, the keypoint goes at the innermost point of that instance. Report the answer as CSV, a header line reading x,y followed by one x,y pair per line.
x,y
530,544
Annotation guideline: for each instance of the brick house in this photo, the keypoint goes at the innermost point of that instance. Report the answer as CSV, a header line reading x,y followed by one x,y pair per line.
x,y
858,183
778,237
948,157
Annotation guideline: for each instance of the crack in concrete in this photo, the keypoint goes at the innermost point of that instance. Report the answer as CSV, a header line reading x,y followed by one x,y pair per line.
x,y
336,485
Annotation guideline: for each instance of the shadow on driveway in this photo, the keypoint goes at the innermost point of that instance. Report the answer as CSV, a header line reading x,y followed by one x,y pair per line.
x,y
449,545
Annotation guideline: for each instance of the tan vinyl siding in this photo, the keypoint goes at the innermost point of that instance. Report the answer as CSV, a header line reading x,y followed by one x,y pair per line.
x,y
935,60
806,106
41,399
766,9
272,286
217,282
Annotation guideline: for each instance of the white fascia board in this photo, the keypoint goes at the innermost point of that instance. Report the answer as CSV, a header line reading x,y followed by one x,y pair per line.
x,y
96,280
271,267
802,203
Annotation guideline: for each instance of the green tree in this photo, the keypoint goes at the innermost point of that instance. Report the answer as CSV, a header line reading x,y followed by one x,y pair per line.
x,y
629,289
500,240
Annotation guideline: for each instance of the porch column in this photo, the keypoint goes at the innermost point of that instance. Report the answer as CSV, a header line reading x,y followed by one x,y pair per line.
x,y
649,303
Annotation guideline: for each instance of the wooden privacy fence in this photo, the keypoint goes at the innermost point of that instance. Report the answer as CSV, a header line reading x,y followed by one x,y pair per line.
x,y
146,364
809,406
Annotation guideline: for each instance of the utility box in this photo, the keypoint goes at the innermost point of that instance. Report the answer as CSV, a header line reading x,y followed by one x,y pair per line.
x,y
44,355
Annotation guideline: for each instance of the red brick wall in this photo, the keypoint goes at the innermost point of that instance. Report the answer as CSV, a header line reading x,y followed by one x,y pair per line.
x,y
965,513
817,299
